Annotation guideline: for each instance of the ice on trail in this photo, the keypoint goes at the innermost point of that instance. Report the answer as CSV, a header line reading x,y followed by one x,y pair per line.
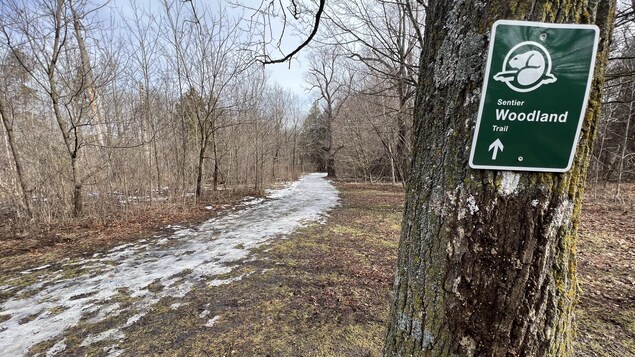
x,y
190,257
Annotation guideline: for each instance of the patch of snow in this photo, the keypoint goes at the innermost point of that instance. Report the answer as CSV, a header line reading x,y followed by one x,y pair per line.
x,y
57,348
197,256
250,201
182,233
175,306
219,282
133,319
471,205
509,183
534,203
204,314
104,311
162,241
212,321
112,334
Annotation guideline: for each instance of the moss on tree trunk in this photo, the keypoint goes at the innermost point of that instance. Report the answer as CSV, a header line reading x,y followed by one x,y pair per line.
x,y
487,258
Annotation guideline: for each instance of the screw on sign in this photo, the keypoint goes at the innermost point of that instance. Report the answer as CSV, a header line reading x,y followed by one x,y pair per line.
x,y
535,91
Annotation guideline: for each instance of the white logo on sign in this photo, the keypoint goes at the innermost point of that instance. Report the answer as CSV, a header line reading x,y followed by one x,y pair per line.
x,y
527,66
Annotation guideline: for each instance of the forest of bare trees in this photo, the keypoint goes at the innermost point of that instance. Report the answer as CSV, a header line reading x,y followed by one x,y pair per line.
x,y
103,109
614,157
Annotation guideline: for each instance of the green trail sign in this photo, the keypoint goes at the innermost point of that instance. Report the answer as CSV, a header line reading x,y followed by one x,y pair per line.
x,y
535,92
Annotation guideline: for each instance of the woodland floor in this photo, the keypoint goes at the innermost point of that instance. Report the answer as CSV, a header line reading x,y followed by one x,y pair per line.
x,y
606,268
325,290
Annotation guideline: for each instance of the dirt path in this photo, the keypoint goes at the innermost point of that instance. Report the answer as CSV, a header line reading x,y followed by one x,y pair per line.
x,y
130,279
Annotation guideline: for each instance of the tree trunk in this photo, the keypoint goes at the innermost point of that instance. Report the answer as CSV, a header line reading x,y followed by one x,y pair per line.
x,y
199,171
216,169
620,168
486,261
393,176
603,129
156,166
87,76
402,131
78,202
8,127
72,144
293,153
330,150
330,167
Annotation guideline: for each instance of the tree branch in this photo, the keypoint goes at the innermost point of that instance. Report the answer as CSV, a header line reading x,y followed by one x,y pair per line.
x,y
318,15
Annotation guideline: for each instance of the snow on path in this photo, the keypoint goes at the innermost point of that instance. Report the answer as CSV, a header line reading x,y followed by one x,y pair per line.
x,y
176,262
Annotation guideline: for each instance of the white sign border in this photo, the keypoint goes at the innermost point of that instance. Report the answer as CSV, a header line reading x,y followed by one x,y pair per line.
x,y
486,81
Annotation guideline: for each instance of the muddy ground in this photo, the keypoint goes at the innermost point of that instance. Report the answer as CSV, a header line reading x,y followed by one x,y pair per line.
x,y
325,290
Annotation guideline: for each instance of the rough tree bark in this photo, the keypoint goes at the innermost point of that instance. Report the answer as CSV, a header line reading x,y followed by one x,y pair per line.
x,y
487,258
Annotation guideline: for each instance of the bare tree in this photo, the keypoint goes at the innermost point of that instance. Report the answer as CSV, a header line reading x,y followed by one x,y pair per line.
x,y
333,83
214,61
386,37
7,114
45,34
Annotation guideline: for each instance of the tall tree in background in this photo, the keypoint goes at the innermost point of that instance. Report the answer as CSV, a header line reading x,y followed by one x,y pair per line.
x,y
386,38
12,91
313,134
486,261
333,83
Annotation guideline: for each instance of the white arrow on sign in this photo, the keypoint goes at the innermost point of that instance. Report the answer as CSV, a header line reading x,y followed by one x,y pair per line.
x,y
496,145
